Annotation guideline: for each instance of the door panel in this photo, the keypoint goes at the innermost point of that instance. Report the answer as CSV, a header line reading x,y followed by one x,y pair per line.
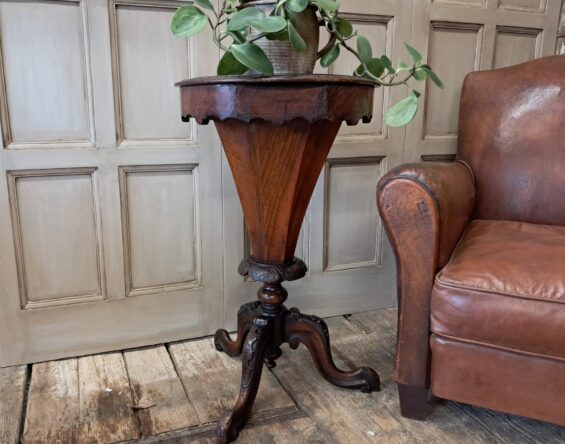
x,y
458,37
349,190
60,260
515,45
161,253
47,83
112,237
153,115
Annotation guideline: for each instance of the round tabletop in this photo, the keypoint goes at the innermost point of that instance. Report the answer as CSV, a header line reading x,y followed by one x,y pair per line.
x,y
278,99
290,79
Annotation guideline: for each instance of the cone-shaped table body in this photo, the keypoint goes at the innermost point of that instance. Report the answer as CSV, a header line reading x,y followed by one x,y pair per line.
x,y
277,133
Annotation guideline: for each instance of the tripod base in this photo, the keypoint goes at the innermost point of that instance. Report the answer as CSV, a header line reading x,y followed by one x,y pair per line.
x,y
261,332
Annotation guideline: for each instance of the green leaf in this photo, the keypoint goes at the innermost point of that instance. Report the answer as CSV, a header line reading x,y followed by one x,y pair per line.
x,y
268,24
420,74
403,112
433,76
253,57
359,71
387,64
330,57
327,5
416,56
229,65
206,4
237,36
297,5
240,20
231,6
375,67
281,35
402,66
296,40
188,20
364,49
344,27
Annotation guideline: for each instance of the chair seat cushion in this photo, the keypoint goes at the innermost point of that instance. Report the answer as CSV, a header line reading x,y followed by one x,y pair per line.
x,y
505,287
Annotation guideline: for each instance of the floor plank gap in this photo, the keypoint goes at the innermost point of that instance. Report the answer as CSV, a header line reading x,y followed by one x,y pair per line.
x,y
29,369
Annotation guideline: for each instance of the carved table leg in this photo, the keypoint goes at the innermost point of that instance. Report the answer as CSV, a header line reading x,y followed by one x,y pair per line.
x,y
255,348
245,317
313,333
263,326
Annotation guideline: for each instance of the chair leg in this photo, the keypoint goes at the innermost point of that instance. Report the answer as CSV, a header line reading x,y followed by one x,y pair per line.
x,y
413,401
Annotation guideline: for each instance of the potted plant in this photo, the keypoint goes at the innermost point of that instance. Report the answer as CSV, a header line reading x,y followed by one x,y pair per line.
x,y
278,37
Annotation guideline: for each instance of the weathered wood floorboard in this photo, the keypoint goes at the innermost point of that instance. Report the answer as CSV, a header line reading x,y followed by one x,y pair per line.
x,y
356,417
175,393
80,400
211,380
301,430
158,394
13,382
53,403
505,428
105,400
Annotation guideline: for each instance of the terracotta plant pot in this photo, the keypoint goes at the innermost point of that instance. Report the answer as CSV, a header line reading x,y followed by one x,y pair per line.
x,y
286,60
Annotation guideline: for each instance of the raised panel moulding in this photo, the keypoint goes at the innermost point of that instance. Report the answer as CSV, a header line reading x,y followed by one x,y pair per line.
x,y
471,3
449,41
151,118
443,158
560,47
57,236
45,80
161,228
516,45
523,5
352,228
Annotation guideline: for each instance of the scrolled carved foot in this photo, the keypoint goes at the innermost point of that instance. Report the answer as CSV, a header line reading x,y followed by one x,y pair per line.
x,y
273,354
255,349
313,332
245,316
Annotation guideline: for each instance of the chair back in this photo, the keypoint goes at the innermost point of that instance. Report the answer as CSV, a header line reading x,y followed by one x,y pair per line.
x,y
512,134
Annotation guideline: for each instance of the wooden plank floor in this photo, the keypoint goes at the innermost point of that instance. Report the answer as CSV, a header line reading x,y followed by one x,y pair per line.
x,y
175,392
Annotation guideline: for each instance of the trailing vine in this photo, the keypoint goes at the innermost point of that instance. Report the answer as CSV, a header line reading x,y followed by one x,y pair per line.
x,y
235,30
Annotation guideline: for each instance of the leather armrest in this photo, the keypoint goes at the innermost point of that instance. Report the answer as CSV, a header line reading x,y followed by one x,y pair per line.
x,y
425,208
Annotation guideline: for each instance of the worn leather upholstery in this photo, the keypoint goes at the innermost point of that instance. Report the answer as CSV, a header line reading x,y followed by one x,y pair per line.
x,y
511,134
498,379
505,287
425,230
480,249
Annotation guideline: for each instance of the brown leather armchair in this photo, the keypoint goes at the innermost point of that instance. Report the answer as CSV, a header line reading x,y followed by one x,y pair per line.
x,y
480,248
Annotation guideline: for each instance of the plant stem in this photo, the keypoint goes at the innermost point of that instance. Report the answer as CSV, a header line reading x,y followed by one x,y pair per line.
x,y
332,29
256,37
215,28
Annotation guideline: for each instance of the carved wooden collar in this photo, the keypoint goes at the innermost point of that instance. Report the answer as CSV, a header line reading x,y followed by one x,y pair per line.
x,y
278,99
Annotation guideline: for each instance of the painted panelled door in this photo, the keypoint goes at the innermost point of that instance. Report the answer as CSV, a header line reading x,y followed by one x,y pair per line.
x,y
110,206
120,225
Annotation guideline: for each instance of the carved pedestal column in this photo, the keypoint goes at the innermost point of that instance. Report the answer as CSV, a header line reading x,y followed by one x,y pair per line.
x,y
277,133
